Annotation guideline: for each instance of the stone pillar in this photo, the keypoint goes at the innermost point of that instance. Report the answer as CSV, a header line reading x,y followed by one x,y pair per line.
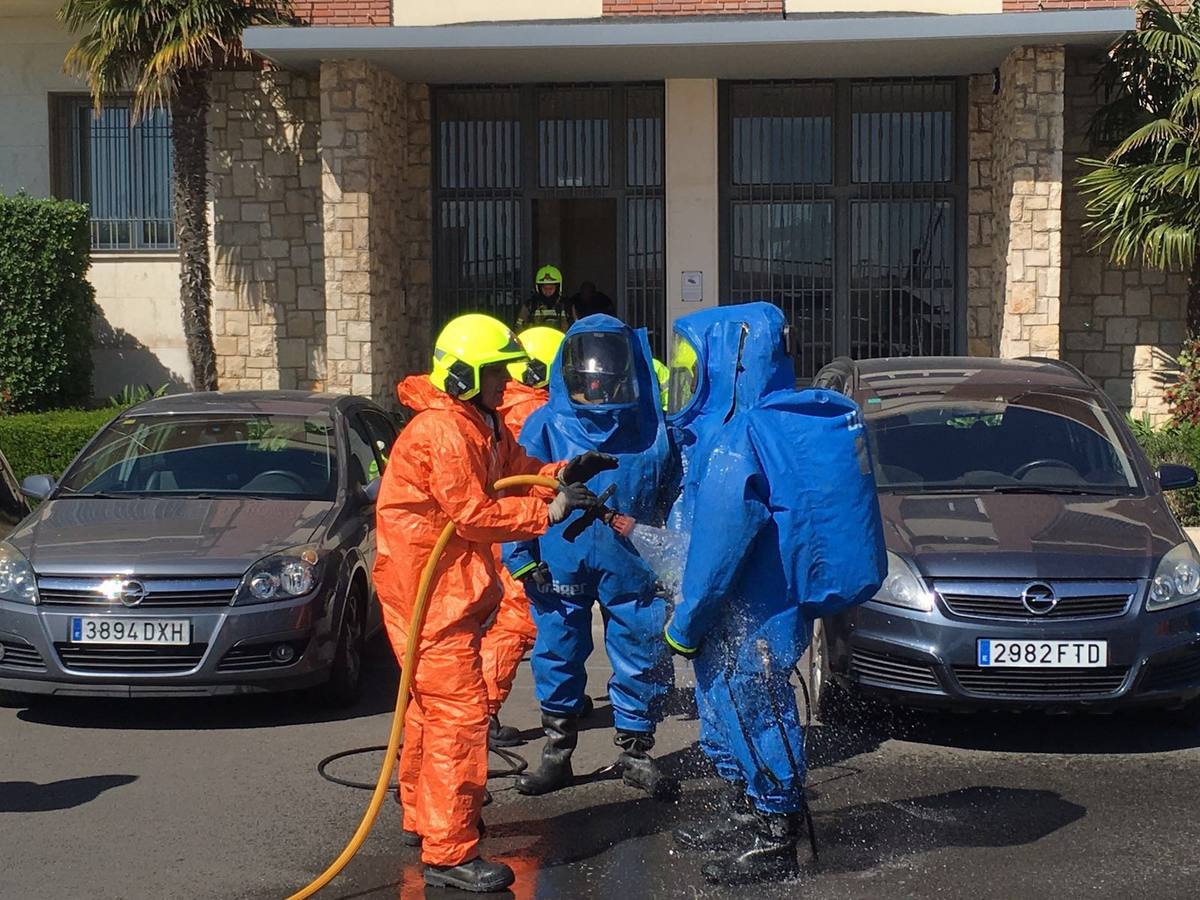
x,y
374,150
981,110
268,295
1027,169
1122,325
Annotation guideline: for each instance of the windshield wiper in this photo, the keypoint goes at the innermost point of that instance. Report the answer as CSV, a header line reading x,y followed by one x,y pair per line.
x,y
966,489
1081,491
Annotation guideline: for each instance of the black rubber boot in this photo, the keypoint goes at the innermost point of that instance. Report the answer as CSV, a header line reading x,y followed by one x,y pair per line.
x,y
734,818
588,707
768,855
502,735
412,839
478,876
562,734
639,770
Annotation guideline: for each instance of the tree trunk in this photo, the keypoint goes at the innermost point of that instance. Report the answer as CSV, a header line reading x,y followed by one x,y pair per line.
x,y
189,136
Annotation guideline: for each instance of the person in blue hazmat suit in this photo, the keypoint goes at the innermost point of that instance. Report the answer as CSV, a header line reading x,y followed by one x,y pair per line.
x,y
604,397
780,501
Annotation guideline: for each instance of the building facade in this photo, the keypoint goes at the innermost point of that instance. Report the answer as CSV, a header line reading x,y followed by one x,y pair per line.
x,y
898,175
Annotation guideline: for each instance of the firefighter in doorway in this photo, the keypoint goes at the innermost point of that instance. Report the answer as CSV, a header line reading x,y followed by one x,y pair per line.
x,y
545,305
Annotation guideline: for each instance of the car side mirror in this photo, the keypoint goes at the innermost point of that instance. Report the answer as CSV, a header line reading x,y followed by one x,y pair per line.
x,y
37,487
370,492
1174,478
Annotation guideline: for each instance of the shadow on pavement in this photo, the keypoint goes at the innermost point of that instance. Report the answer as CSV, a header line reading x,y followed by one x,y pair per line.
x,y
1119,733
858,838
27,796
380,676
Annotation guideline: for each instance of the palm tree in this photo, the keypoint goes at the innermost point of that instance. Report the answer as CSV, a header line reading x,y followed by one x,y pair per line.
x,y
164,51
1144,197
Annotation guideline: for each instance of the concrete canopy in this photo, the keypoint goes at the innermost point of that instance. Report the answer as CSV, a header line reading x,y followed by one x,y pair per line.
x,y
605,50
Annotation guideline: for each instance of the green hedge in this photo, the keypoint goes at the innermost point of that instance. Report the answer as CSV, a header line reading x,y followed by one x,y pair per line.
x,y
1179,444
46,305
45,443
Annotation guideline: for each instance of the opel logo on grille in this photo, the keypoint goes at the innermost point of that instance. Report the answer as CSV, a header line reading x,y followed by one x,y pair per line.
x,y
132,593
1039,599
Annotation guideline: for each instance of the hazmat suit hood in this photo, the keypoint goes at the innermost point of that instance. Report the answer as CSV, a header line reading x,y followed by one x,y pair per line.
x,y
418,393
609,427
741,355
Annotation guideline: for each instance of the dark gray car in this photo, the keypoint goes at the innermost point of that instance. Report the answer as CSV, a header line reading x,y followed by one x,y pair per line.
x,y
1033,561
201,544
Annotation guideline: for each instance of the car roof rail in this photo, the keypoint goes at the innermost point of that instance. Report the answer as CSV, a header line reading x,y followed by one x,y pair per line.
x,y
1058,364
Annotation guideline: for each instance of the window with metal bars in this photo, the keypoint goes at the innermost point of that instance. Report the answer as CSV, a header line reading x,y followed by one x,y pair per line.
x,y
844,203
121,169
502,150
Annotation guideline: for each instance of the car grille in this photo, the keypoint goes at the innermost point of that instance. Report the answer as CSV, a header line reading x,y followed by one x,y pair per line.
x,y
1179,670
893,671
20,655
1002,600
1041,682
160,593
256,656
101,658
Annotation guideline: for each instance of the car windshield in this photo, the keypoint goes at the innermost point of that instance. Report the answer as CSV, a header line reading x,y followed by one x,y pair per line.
x,y
181,455
1018,441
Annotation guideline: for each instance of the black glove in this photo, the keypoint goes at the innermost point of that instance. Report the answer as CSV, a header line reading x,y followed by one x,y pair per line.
x,y
586,466
539,575
570,498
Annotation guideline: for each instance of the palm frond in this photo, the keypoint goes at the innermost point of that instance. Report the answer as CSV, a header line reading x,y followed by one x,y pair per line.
x,y
145,46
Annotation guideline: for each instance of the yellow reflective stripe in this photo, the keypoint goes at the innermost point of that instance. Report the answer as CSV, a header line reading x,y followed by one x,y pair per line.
x,y
675,644
524,570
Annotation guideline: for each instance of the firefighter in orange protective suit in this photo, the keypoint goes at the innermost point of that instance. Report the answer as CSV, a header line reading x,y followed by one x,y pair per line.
x,y
442,468
512,633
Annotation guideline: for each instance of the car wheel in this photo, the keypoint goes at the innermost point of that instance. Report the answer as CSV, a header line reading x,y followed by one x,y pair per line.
x,y
345,675
829,700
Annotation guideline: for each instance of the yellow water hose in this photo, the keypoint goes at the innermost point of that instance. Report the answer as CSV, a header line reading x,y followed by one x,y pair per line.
x,y
406,676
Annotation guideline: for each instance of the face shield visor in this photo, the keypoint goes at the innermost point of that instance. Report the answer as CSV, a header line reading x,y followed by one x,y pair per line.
x,y
597,367
685,373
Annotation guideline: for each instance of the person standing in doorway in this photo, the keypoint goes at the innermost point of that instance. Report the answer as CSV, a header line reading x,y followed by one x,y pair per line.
x,y
545,304
590,302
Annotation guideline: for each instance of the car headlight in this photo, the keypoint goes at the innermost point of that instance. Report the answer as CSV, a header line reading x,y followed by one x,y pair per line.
x,y
1177,579
17,579
904,587
281,576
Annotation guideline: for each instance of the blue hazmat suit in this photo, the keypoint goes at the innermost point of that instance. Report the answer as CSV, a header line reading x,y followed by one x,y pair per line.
x,y
600,566
780,501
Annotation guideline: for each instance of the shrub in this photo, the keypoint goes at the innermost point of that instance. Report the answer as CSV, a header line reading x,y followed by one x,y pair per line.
x,y
46,304
1177,443
1184,395
45,443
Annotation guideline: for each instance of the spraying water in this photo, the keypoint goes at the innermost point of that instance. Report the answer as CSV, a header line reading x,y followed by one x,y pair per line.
x,y
665,551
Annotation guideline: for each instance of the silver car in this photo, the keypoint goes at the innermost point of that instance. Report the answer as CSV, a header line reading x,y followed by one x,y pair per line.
x,y
201,544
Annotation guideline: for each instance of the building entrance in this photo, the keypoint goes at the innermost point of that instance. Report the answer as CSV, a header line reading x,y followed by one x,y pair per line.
x,y
568,175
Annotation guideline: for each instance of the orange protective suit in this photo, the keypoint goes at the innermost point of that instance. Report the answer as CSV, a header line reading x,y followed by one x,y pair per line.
x,y
442,468
512,634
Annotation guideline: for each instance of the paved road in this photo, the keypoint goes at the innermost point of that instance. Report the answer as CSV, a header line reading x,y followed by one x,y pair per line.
x,y
220,800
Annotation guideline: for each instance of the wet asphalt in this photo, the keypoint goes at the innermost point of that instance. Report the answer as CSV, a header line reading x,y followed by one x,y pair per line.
x,y
220,799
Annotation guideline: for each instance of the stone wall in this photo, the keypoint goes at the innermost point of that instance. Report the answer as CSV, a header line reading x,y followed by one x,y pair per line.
x,y
1122,325
268,297
375,185
981,111
1027,203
